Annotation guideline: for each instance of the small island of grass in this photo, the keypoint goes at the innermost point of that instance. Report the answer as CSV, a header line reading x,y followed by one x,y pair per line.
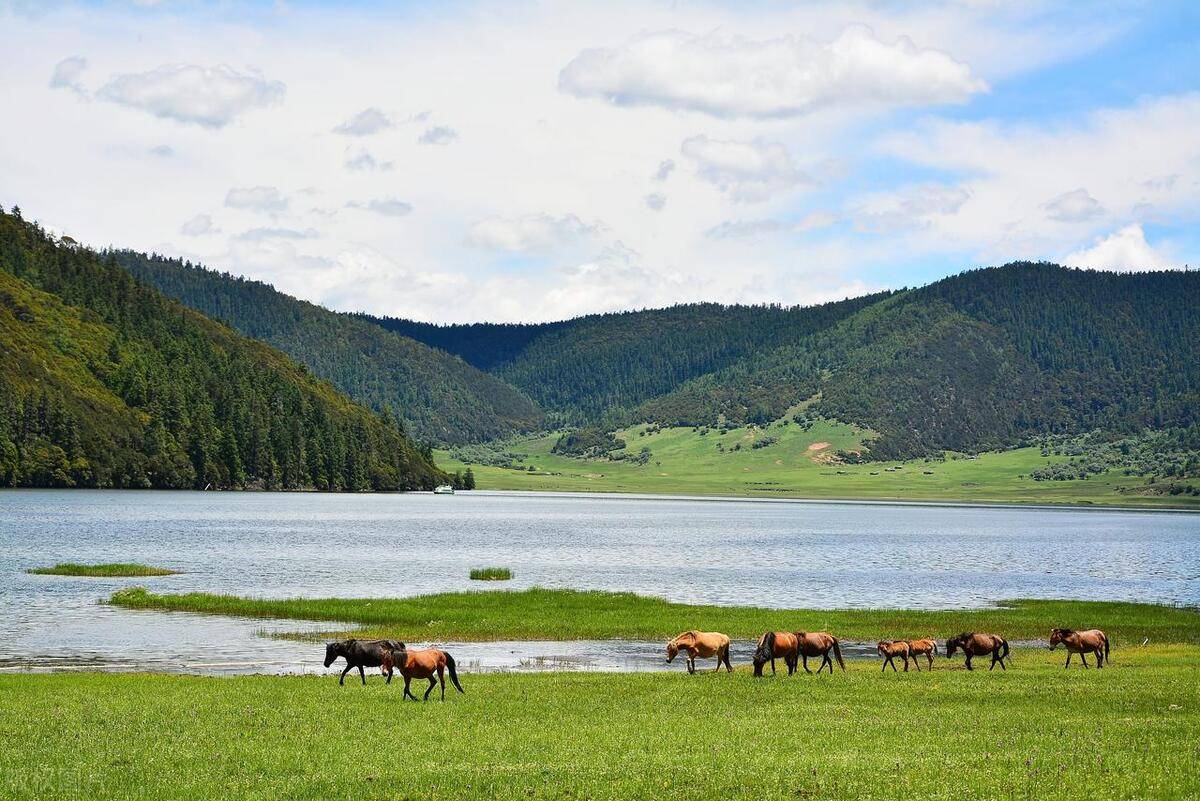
x,y
490,574
108,570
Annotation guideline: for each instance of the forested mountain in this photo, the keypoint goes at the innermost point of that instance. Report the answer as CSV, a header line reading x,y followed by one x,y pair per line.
x,y
105,382
985,359
440,398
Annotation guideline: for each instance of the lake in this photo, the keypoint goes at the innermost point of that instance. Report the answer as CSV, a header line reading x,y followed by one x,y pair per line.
x,y
735,552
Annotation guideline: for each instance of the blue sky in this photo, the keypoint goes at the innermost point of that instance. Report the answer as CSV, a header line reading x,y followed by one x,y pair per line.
x,y
533,161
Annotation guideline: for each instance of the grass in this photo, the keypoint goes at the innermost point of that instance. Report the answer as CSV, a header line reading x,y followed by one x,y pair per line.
x,y
542,614
490,574
1036,731
107,570
684,462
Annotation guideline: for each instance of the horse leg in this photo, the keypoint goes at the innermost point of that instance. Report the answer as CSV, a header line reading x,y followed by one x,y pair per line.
x,y
917,662
1068,660
429,689
362,674
442,679
905,663
772,666
805,658
407,684
969,662
1099,658
825,660
342,678
1083,659
929,656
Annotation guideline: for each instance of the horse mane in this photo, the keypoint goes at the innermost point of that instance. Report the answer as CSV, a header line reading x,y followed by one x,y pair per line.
x,y
1065,632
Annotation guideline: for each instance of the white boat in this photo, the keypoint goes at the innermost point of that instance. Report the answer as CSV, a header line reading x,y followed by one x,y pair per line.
x,y
445,489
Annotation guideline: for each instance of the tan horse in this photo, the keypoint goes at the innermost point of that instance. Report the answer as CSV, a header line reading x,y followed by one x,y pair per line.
x,y
927,646
890,650
703,644
777,644
819,643
421,665
976,644
1092,641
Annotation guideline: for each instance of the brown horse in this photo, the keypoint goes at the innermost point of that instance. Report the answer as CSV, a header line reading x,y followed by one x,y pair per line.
x,y
890,650
927,646
976,644
421,665
1092,641
777,644
819,643
704,644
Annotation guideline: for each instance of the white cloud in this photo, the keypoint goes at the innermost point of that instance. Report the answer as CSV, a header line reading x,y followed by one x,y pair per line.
x,y
438,135
535,233
365,123
746,171
211,97
914,207
359,160
387,206
665,168
1126,249
655,201
162,151
256,198
1074,206
756,229
198,226
67,74
260,234
732,76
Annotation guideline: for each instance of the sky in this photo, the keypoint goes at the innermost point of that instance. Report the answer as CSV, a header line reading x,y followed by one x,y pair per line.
x,y
526,161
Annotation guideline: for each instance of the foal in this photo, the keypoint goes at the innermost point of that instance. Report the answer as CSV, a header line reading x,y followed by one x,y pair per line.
x,y
890,650
704,644
1093,641
927,646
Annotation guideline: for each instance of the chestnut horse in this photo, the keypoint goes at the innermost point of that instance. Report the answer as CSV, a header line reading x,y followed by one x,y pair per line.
x,y
974,644
777,644
421,665
890,650
705,644
358,654
1092,641
927,646
819,643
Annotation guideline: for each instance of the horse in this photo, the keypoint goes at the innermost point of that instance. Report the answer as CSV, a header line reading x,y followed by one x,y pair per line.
x,y
890,650
977,644
1093,641
359,654
705,644
819,643
421,665
927,646
776,644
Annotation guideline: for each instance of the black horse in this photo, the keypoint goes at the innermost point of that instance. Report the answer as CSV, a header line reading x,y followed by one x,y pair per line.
x,y
360,654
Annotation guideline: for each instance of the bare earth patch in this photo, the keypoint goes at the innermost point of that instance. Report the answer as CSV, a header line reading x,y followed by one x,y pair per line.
x,y
818,446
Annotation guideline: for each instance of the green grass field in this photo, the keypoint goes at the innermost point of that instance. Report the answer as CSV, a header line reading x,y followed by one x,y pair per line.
x,y
542,614
1036,731
798,465
107,570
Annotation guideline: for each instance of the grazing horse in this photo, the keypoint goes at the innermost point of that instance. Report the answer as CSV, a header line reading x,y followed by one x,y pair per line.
x,y
927,646
359,654
421,665
705,644
819,643
890,650
1093,641
977,644
777,644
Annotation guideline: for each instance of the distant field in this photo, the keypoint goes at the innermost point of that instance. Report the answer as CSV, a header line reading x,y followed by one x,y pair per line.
x,y
543,614
798,465
109,570
1034,731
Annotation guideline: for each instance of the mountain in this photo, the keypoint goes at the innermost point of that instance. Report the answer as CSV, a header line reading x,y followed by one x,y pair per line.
x,y
441,398
105,382
986,359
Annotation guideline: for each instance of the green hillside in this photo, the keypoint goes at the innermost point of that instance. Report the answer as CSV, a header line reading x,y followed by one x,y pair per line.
x,y
440,397
104,382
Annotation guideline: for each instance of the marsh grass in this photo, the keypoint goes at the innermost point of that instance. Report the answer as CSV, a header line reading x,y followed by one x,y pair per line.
x,y
1035,731
490,574
107,570
544,614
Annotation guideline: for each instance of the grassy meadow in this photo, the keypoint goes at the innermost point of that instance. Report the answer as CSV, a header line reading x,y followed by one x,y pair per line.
x,y
107,570
544,614
1035,731
799,465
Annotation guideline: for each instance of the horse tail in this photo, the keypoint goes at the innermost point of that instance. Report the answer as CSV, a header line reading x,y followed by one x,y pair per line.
x,y
454,674
837,651
935,648
1004,647
1106,659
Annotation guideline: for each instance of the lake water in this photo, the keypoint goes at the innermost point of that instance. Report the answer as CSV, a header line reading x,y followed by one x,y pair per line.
x,y
781,554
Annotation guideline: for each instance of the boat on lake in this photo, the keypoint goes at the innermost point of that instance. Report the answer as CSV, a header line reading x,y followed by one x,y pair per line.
x,y
444,489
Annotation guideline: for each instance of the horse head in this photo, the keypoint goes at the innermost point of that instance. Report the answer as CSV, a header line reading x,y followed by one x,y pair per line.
x,y
1057,636
672,650
765,652
333,650
882,647
954,643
